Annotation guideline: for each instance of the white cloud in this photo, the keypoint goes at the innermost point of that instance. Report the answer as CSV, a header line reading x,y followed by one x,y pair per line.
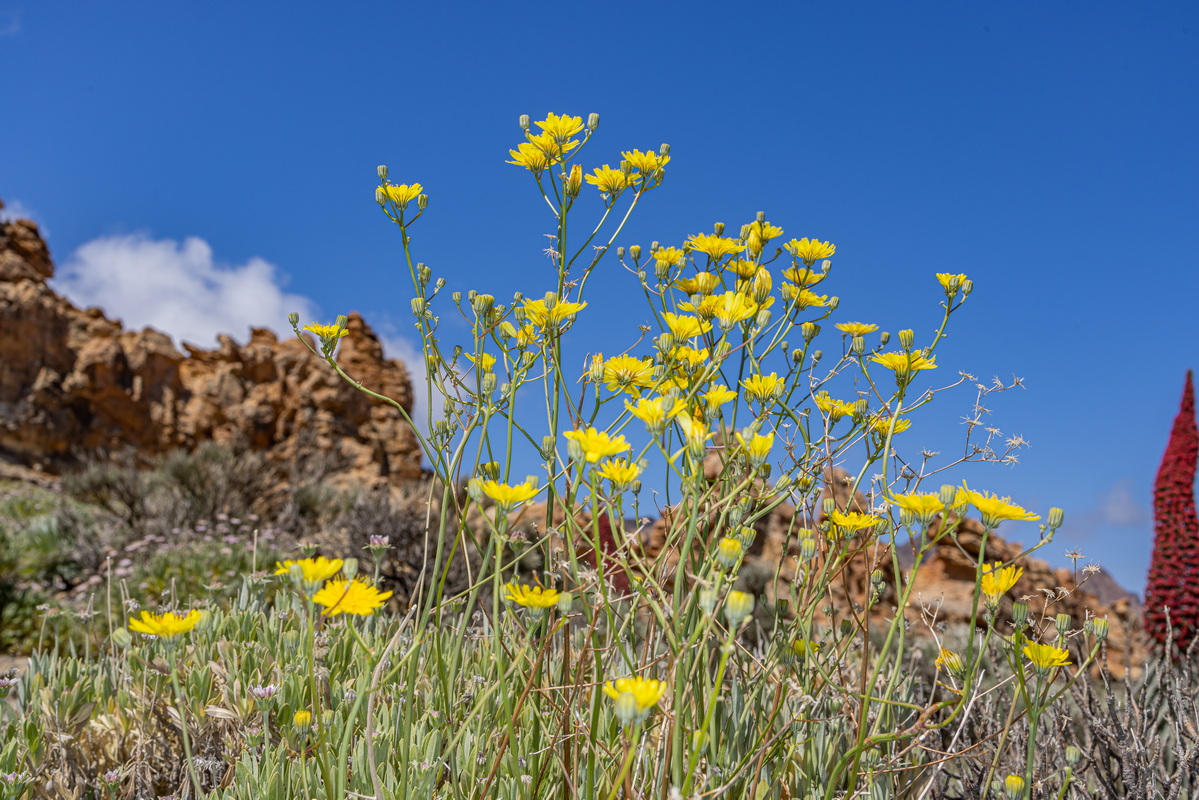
x,y
178,288
1121,507
15,209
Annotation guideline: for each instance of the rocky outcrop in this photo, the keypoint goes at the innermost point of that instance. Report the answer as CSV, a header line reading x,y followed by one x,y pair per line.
x,y
74,383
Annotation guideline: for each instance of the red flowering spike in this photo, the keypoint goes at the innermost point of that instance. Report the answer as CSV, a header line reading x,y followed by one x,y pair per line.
x,y
1174,570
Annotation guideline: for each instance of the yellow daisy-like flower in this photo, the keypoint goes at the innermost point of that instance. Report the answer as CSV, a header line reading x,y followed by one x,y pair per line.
x,y
165,625
485,361
542,316
803,298
757,449
995,510
646,163
532,157
316,570
835,409
853,521
670,256
733,307
742,267
904,364
763,388
707,307
358,596
765,231
805,277
526,336
507,496
634,697
809,251
881,425
620,472
1045,657
596,444
689,357
694,431
716,396
685,327
950,282
402,194
702,283
950,662
716,247
656,413
923,508
628,374
538,598
802,647
611,181
998,580
856,328
326,332
561,127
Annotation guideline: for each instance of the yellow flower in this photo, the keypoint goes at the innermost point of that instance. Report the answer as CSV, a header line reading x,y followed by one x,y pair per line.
x,y
810,250
716,247
485,361
527,335
531,157
707,308
737,606
702,283
670,256
507,496
689,357
763,388
302,719
611,181
834,408
950,282
538,598
994,510
358,596
686,327
694,431
804,277
326,332
951,662
595,444
742,267
757,449
716,396
922,507
656,413
1045,657
165,625
801,647
634,697
728,551
316,570
628,373
403,194
542,316
904,364
1013,786
856,328
560,128
733,307
765,231
645,163
997,580
853,521
881,425
620,472
803,297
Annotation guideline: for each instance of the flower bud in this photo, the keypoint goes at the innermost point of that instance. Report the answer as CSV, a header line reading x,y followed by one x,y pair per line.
x,y
967,287
707,600
423,273
548,443
349,568
948,494
664,150
635,252
861,407
626,168
782,484
1013,785
527,360
1019,614
565,601
809,331
662,270
524,122
439,284
293,318
1073,755
1063,624
380,196
620,252
490,470
342,321
883,338
666,342
1099,628
422,201
857,345
907,338
418,306
592,121
833,302
474,490
507,330
816,356
122,638
807,548
382,171
723,348
488,383
763,318
718,228
596,373
728,552
796,356
574,181
738,606
482,303
1055,518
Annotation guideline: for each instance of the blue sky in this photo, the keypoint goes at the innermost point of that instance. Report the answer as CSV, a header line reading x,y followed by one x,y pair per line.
x,y
184,159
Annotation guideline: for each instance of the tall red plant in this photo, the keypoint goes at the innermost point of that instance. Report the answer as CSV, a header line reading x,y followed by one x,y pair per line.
x,y
1174,572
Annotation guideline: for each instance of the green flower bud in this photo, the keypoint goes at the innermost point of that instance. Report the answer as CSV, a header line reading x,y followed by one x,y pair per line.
x,y
662,270
907,338
967,287
342,321
664,150
620,252
1013,785
349,568
527,360
707,600
796,356
809,331
833,302
482,303
635,487
456,297
423,274
948,494
763,318
382,171
592,121
807,548
635,251
1073,755
1063,624
490,470
760,217
439,284
1055,518
857,345
422,201
488,383
380,196
524,122
1099,628
738,606
718,228
293,319
122,638
1019,614
565,601
816,356
548,443
883,338
507,330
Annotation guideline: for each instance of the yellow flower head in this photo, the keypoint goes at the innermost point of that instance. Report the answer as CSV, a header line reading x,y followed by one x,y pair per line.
x,y
881,425
532,157
835,409
694,431
560,128
702,283
853,521
764,388
302,719
689,357
1045,657
856,328
757,448
358,596
628,374
997,580
716,247
316,570
809,251
507,496
685,327
537,598
670,256
803,298
802,647
728,551
656,413
543,316
950,662
634,697
733,307
403,194
737,606
950,282
326,332
620,472
764,230
806,277
646,163
484,362
922,507
595,444
904,364
716,396
995,510
742,268
166,624
611,181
